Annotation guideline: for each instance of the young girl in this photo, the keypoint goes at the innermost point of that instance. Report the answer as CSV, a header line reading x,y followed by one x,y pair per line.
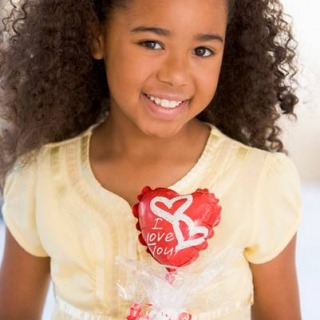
x,y
101,98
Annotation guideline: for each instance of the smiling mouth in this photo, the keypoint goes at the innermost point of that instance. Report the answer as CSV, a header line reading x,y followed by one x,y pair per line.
x,y
164,103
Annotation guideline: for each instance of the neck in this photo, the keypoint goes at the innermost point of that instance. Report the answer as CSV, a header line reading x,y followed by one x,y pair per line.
x,y
128,140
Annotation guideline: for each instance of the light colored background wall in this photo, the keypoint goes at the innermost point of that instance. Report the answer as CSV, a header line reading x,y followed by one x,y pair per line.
x,y
303,137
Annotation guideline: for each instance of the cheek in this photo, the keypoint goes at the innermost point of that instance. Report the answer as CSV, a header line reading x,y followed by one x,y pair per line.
x,y
119,76
208,82
127,72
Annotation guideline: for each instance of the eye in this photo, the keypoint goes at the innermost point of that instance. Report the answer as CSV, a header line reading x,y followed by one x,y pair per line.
x,y
153,45
203,52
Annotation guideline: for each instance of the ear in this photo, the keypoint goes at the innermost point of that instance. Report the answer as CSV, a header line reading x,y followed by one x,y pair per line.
x,y
97,41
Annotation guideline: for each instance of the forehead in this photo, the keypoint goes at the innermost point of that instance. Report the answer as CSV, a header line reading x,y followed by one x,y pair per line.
x,y
192,14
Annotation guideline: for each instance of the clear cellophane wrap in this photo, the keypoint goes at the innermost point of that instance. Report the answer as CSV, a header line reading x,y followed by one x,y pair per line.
x,y
158,294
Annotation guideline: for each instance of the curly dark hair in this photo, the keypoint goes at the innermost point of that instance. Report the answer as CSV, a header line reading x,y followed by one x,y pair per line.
x,y
52,89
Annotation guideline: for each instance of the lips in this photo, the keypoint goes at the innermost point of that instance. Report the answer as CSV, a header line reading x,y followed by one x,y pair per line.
x,y
165,102
167,107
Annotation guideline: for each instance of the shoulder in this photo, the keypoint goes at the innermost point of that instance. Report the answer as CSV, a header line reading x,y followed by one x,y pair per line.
x,y
30,164
64,144
265,173
50,149
257,161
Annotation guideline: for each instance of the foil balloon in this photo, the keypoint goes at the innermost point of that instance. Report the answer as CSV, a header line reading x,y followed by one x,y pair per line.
x,y
175,228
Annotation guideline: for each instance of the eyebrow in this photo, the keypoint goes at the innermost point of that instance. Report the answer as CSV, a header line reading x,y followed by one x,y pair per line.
x,y
165,32
158,31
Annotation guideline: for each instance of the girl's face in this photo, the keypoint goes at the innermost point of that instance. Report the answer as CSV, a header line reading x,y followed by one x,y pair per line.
x,y
162,61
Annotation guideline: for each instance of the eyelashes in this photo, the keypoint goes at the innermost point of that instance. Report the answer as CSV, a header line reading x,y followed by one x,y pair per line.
x,y
201,51
152,45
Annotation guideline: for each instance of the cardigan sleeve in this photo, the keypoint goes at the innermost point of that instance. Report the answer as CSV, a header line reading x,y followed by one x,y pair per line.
x,y
19,208
277,209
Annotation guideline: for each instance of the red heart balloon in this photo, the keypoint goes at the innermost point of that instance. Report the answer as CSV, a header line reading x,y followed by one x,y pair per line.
x,y
176,227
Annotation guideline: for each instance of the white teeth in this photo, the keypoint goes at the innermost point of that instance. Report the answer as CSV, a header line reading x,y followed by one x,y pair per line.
x,y
165,103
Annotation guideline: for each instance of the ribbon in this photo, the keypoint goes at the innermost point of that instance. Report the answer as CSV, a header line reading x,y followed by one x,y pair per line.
x,y
135,314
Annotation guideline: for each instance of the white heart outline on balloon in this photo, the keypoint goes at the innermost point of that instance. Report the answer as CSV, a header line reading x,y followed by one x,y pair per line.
x,y
176,217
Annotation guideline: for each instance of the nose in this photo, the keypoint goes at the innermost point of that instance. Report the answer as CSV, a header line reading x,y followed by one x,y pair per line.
x,y
174,70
